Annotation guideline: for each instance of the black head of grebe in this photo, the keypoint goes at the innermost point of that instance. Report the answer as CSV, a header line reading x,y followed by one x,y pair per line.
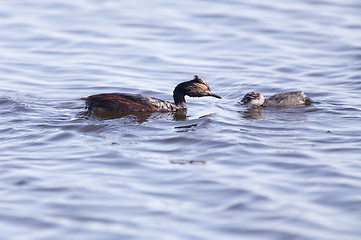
x,y
286,99
126,102
193,88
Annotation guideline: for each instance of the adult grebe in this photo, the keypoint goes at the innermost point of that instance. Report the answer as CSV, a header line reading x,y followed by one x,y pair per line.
x,y
126,102
287,99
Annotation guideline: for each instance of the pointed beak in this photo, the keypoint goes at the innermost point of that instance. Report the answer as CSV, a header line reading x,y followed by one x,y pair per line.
x,y
245,100
210,93
215,95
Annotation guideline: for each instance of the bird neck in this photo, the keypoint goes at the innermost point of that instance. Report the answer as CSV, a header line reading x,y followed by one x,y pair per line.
x,y
178,96
179,100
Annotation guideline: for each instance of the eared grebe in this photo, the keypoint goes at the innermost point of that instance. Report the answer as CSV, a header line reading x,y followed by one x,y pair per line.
x,y
126,102
287,99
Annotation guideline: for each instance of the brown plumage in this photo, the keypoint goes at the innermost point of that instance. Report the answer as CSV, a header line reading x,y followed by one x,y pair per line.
x,y
126,102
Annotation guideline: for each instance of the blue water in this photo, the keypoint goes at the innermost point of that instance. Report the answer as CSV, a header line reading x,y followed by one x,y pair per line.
x,y
223,171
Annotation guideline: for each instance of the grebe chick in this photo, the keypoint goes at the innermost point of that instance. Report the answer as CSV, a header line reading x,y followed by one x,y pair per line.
x,y
287,99
127,102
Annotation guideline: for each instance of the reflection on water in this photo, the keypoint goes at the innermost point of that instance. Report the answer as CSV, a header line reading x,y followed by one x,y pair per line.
x,y
192,162
253,113
138,117
277,113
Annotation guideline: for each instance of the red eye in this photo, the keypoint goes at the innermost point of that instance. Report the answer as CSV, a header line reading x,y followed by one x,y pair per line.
x,y
206,89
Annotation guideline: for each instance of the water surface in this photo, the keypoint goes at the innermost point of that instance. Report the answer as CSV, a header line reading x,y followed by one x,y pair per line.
x,y
220,172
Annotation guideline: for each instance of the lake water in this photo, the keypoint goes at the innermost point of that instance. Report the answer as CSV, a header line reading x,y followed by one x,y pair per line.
x,y
222,171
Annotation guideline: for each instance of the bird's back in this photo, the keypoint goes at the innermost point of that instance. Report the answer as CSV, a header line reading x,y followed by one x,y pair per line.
x,y
287,99
126,102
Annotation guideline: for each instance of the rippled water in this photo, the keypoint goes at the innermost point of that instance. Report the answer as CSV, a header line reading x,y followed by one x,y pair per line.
x,y
223,171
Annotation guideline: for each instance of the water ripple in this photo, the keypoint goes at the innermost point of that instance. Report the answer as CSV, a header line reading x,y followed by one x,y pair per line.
x,y
220,170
